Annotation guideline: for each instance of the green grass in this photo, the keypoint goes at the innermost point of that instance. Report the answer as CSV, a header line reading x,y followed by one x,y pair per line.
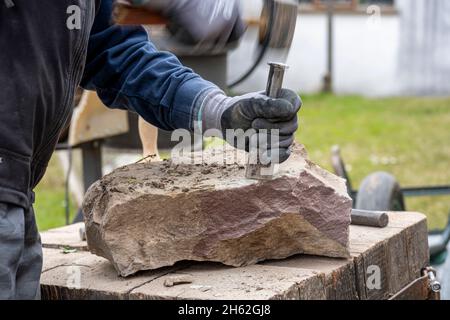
x,y
407,137
50,199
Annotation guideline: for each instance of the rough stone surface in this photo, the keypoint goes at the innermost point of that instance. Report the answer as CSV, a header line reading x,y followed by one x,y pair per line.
x,y
147,216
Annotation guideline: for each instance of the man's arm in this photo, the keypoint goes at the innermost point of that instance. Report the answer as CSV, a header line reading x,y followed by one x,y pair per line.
x,y
128,72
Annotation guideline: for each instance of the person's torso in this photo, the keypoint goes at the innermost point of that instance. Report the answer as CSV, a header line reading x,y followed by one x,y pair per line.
x,y
43,50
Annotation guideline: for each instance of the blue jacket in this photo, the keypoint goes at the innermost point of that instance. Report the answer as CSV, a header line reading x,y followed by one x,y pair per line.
x,y
127,71
43,61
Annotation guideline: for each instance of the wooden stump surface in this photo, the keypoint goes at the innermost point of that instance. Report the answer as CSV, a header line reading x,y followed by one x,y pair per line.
x,y
398,252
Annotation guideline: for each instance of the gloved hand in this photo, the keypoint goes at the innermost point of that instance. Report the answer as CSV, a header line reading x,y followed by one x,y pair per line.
x,y
197,22
253,111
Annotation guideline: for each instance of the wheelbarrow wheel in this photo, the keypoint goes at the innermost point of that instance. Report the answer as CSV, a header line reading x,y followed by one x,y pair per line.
x,y
380,191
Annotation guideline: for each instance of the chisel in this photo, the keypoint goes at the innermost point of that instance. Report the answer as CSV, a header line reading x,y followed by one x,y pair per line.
x,y
255,169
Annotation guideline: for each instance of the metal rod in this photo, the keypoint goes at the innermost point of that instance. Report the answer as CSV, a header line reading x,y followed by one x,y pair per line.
x,y
426,191
276,77
370,218
328,79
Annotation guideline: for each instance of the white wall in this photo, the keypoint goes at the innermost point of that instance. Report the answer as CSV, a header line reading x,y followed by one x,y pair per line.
x,y
365,57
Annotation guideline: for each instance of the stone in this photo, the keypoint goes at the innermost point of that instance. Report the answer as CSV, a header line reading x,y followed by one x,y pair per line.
x,y
152,215
179,279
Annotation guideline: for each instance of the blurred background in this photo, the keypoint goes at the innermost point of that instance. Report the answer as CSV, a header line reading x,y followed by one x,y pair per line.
x,y
379,47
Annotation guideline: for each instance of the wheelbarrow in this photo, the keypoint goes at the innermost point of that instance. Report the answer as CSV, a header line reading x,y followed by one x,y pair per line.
x,y
380,191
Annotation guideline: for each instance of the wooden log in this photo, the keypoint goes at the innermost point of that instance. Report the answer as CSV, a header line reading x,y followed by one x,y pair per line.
x,y
337,275
81,275
391,252
92,120
212,281
65,237
298,277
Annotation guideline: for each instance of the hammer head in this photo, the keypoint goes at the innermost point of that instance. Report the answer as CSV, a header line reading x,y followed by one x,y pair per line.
x,y
282,20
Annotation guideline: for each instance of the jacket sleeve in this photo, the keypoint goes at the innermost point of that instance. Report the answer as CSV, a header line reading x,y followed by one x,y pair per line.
x,y
128,72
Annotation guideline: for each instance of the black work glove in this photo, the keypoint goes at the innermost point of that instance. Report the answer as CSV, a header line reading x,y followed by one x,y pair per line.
x,y
254,113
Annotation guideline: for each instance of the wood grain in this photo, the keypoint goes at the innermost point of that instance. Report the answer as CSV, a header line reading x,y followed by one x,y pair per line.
x,y
400,250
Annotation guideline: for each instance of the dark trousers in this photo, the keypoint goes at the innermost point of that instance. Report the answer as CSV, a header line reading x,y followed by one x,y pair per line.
x,y
20,254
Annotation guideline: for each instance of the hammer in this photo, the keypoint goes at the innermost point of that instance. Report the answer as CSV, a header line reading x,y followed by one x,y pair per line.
x,y
125,14
255,169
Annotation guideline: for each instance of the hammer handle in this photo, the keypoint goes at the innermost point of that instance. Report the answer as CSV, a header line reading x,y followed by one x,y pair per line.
x,y
131,16
127,15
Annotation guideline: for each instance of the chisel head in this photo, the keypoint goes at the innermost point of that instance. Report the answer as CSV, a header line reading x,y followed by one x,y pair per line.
x,y
259,171
275,79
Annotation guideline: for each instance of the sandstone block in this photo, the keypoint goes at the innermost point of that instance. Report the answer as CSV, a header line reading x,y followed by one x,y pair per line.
x,y
152,215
